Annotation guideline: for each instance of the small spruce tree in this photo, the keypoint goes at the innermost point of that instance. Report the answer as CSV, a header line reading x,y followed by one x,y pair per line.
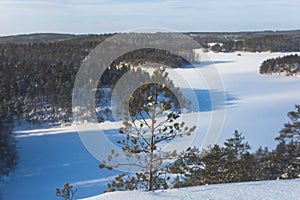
x,y
67,193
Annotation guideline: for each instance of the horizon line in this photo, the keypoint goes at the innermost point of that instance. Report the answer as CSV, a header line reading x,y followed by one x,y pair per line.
x,y
131,31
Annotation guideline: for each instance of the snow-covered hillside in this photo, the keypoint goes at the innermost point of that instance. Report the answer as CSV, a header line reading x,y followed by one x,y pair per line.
x,y
257,106
267,190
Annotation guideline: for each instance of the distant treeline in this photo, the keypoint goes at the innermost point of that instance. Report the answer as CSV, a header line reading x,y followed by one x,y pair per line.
x,y
279,41
287,65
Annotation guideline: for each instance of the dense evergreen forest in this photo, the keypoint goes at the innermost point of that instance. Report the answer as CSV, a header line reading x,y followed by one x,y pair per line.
x,y
8,154
37,78
286,65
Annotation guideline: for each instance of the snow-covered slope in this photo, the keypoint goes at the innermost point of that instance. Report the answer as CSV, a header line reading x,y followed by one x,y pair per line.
x,y
51,157
267,190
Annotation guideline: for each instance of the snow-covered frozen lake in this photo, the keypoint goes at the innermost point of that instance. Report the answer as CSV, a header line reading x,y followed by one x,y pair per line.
x,y
257,106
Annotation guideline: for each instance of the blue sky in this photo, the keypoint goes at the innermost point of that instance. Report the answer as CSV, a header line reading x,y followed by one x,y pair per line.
x,y
102,16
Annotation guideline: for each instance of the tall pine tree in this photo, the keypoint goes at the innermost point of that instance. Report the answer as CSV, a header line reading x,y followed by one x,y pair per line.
x,y
151,118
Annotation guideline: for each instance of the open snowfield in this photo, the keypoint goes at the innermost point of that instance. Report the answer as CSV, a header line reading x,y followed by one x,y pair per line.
x,y
257,106
267,190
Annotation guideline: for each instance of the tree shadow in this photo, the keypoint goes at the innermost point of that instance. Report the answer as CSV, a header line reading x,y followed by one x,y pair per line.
x,y
205,100
205,64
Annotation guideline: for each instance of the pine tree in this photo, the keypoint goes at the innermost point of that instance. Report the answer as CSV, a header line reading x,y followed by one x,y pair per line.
x,y
188,169
67,193
287,153
284,161
239,162
214,163
232,163
291,130
263,164
152,119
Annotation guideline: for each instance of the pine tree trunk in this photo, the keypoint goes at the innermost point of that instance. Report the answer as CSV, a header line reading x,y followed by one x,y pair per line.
x,y
150,173
150,177
150,167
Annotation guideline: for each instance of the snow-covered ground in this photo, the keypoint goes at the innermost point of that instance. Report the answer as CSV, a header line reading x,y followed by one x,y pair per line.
x,y
267,190
257,106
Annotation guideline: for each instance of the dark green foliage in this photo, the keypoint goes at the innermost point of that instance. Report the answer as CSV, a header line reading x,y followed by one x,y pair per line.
x,y
286,65
283,162
213,159
287,155
279,41
67,193
291,130
188,169
38,77
288,149
8,154
216,48
231,163
263,164
153,55
239,162
283,159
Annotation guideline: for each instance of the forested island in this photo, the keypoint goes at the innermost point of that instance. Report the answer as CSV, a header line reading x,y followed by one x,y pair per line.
x,y
287,66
